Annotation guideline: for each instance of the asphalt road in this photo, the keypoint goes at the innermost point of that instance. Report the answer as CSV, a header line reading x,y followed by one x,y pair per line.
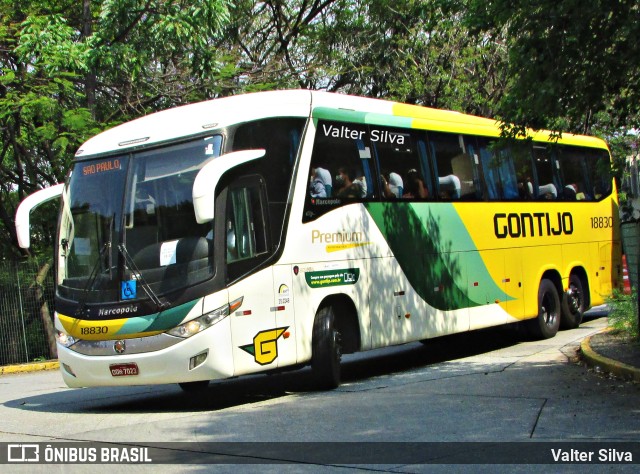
x,y
490,387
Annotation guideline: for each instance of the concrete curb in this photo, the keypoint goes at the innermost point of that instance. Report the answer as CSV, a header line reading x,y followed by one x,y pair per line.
x,y
32,367
615,367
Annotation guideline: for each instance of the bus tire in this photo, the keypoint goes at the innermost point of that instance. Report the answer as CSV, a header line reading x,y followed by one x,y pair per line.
x,y
197,386
326,350
547,323
572,304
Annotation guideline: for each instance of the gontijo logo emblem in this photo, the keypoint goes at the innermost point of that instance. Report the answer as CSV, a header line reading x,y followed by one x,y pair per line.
x,y
265,348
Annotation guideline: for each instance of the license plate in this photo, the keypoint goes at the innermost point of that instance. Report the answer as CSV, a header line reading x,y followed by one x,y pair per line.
x,y
120,370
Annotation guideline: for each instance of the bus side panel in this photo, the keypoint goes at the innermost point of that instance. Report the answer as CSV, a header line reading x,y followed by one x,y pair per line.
x,y
387,292
513,283
254,331
285,314
398,313
485,291
606,258
574,256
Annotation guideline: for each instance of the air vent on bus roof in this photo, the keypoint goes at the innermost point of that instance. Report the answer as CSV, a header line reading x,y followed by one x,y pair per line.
x,y
134,141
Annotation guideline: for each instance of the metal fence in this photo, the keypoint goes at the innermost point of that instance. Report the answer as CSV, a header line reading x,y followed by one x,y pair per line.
x,y
26,312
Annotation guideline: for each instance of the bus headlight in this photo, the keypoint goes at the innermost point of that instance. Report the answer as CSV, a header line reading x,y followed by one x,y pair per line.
x,y
205,321
65,339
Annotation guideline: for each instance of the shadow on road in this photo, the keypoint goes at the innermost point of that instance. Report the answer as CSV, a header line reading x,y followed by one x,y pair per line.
x,y
251,389
246,390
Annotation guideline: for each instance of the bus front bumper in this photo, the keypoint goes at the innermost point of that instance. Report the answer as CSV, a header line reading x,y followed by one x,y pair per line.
x,y
204,356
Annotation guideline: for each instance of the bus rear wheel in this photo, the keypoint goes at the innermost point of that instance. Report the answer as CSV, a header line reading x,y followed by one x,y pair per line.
x,y
547,323
327,350
572,304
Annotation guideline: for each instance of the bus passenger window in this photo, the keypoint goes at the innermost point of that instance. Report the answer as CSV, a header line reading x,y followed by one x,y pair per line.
x,y
548,182
341,168
402,164
458,176
499,171
520,156
573,171
599,173
340,146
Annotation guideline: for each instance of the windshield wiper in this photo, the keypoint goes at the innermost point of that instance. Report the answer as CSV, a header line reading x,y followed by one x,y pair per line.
x,y
97,267
139,278
81,311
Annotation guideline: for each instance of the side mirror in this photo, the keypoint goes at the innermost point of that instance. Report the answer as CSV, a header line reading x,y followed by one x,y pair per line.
x,y
25,208
204,186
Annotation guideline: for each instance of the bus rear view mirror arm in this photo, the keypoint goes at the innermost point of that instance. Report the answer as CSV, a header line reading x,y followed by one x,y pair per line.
x,y
204,186
25,208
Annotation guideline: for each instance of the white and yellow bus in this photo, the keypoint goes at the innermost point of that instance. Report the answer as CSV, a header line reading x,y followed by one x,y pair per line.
x,y
281,229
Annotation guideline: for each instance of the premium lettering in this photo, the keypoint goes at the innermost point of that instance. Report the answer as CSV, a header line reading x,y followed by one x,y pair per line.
x,y
335,237
538,224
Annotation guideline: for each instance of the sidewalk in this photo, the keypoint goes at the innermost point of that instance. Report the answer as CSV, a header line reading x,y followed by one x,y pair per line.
x,y
30,367
612,353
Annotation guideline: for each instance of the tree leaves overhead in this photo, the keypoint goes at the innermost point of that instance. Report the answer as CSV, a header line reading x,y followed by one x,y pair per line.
x,y
70,69
567,60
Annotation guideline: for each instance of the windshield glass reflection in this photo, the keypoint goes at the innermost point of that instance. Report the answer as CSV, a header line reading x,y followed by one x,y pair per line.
x,y
134,213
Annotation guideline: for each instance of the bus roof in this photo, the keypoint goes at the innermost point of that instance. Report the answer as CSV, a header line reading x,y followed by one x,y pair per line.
x,y
196,119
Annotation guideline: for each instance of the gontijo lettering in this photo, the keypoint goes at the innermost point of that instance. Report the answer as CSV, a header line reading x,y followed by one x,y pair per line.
x,y
538,224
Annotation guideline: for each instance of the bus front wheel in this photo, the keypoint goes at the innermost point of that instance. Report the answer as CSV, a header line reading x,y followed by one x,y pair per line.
x,y
326,350
547,323
572,304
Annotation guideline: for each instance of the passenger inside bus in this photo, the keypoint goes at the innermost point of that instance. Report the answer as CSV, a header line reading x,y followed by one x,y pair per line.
x,y
415,187
548,191
320,183
392,185
348,185
449,187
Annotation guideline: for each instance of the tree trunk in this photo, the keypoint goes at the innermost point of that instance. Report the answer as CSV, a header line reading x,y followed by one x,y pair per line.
x,y
45,314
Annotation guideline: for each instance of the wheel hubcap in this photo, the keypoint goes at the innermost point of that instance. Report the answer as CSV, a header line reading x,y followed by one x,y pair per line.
x,y
549,312
574,300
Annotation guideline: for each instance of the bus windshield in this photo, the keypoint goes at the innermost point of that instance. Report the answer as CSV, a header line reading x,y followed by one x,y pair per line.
x,y
131,218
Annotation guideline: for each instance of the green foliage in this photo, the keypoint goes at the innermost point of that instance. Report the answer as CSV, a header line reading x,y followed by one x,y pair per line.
x,y
48,43
70,69
68,72
623,313
567,60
